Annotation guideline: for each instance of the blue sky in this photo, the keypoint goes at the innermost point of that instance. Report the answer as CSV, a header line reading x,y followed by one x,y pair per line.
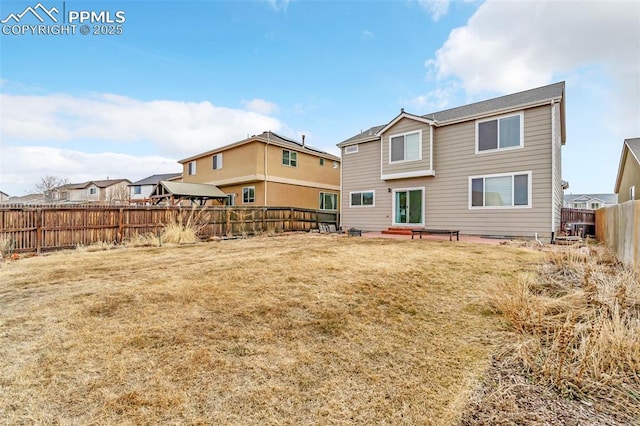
x,y
186,77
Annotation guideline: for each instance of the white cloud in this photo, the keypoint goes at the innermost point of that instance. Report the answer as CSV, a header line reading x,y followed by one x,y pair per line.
x,y
367,35
173,128
436,8
279,5
260,106
29,164
511,46
435,100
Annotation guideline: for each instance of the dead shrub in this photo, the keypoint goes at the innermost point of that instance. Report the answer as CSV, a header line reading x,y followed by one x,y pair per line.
x,y
578,325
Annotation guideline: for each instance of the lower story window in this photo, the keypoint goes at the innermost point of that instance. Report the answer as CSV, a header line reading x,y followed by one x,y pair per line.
x,y
328,201
137,189
249,194
503,190
365,198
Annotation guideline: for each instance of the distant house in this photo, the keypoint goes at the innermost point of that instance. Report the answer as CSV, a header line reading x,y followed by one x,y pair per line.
x,y
628,180
3,196
26,199
94,191
589,201
488,168
140,191
269,170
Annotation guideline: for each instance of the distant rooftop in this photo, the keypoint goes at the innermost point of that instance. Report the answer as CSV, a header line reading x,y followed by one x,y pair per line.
x,y
154,179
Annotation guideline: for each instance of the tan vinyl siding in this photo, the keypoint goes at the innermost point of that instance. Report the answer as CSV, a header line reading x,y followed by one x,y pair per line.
x,y
630,177
447,194
362,173
403,126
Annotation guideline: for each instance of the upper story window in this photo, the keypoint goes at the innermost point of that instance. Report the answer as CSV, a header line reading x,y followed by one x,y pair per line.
x,y
93,191
322,161
351,149
499,191
335,164
405,147
499,133
137,190
192,168
217,161
289,158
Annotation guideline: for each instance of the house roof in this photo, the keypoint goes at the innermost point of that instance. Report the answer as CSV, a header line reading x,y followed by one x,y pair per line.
x,y
605,198
629,146
270,138
99,183
527,98
4,193
154,179
196,190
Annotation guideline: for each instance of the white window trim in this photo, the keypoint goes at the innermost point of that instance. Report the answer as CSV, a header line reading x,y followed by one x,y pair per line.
x,y
498,117
632,192
322,193
219,155
393,205
361,192
350,149
529,194
395,135
93,191
254,195
290,152
191,169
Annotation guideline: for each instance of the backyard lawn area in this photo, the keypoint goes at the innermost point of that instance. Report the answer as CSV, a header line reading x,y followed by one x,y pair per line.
x,y
298,329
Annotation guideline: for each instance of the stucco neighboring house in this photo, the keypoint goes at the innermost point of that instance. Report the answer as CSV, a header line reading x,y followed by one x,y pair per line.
x,y
95,191
487,168
589,201
3,196
628,180
269,170
140,191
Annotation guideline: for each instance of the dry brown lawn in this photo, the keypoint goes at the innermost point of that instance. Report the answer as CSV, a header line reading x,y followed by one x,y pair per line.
x,y
302,329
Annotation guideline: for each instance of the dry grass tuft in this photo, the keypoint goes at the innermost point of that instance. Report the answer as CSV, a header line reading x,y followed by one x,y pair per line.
x,y
184,228
301,329
578,322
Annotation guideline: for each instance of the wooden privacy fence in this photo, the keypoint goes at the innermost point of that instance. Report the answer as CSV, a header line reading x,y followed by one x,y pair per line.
x,y
618,227
38,228
573,219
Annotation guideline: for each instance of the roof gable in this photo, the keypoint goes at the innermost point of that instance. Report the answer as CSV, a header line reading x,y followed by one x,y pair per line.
x,y
154,179
401,116
629,146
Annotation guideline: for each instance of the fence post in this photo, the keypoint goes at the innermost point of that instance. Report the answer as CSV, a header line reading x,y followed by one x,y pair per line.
x,y
39,217
119,235
228,230
291,217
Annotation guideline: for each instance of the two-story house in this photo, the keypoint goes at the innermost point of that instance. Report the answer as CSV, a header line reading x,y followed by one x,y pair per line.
x,y
487,168
589,201
628,180
269,170
93,191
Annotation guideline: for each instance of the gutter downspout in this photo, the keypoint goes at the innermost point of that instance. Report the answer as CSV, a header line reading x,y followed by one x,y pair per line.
x,y
553,171
266,166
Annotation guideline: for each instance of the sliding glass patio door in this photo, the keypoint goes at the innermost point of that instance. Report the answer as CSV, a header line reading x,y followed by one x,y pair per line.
x,y
408,207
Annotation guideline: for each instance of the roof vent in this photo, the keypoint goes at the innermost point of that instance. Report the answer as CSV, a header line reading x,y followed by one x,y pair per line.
x,y
303,136
401,110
